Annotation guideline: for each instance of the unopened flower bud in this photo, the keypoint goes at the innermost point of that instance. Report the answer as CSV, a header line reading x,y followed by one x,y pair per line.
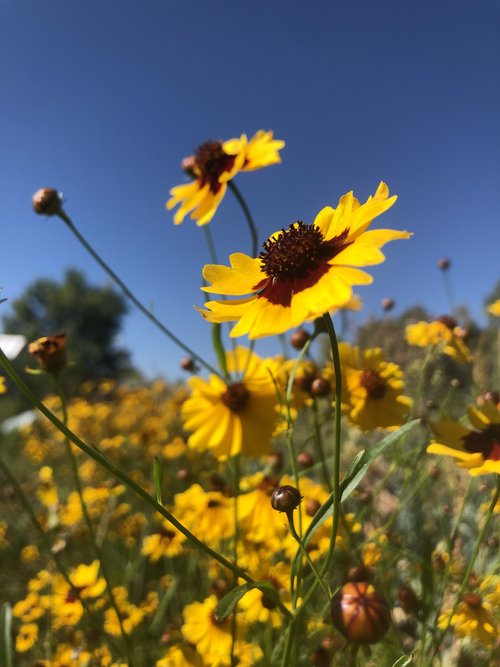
x,y
443,263
285,498
187,364
47,201
299,338
50,352
361,613
408,599
488,397
182,474
320,387
387,303
305,460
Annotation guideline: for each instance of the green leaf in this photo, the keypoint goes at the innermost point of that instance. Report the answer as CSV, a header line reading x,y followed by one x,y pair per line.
x,y
158,478
403,660
6,622
228,603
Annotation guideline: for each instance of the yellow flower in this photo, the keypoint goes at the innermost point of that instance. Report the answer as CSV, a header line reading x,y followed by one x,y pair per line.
x,y
494,308
211,637
180,656
372,389
212,166
442,331
131,616
207,513
477,448
27,636
473,618
302,272
29,609
29,553
234,417
3,388
168,541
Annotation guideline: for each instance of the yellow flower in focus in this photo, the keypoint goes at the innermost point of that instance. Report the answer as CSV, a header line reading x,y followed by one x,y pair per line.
x,y
212,166
235,417
443,331
208,514
476,448
303,271
494,308
372,389
211,637
26,637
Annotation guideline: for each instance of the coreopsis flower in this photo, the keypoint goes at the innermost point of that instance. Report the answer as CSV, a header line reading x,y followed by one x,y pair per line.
x,y
131,615
256,606
50,352
229,418
64,601
475,615
167,541
494,308
372,389
180,656
211,637
212,166
476,448
443,331
3,388
26,637
302,272
206,513
30,609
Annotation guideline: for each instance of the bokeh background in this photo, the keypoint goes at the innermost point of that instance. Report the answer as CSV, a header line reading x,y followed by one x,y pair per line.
x,y
103,98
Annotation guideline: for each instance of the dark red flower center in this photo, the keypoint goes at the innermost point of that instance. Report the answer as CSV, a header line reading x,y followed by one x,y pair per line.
x,y
375,385
236,396
473,600
486,443
448,321
167,534
210,163
296,259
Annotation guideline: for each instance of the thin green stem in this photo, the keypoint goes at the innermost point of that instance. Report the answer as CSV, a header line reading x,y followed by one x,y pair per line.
x,y
315,572
235,469
63,215
320,452
248,217
88,522
100,458
470,566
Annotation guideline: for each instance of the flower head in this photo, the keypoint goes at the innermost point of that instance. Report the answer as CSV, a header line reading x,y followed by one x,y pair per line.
x,y
372,389
443,331
47,201
50,352
476,448
303,271
233,417
361,613
212,166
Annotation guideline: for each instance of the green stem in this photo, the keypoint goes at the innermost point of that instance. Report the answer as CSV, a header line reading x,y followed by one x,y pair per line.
x,y
294,534
320,452
248,217
100,458
235,469
63,215
88,522
475,552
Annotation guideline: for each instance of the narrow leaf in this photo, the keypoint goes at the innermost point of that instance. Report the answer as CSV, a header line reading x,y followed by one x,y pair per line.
x,y
228,603
158,478
403,661
6,618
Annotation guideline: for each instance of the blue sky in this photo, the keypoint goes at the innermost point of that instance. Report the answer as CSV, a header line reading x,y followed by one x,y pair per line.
x,y
103,98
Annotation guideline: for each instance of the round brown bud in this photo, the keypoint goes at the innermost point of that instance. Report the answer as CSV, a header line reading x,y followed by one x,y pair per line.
x,y
50,351
320,387
275,459
187,364
361,613
312,506
443,264
299,338
305,460
408,599
387,303
47,201
285,498
488,397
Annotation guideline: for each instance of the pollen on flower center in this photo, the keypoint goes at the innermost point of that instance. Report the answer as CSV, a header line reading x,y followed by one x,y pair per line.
x,y
485,442
211,162
375,385
236,396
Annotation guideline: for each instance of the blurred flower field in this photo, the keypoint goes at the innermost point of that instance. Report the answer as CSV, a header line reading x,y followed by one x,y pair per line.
x,y
333,504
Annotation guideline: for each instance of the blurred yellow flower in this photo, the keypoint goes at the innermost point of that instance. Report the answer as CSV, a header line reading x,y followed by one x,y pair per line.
x,y
206,513
234,417
3,388
167,541
212,166
26,637
476,448
473,618
302,272
372,389
494,308
442,331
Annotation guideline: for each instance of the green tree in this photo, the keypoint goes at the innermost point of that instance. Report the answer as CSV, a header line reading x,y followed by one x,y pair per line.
x,y
90,316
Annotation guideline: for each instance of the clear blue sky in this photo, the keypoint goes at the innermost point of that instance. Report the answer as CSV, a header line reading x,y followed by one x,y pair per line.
x,y
103,98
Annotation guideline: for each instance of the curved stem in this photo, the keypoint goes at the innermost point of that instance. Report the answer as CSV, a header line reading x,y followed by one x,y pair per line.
x,y
63,215
248,217
88,522
100,458
296,537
